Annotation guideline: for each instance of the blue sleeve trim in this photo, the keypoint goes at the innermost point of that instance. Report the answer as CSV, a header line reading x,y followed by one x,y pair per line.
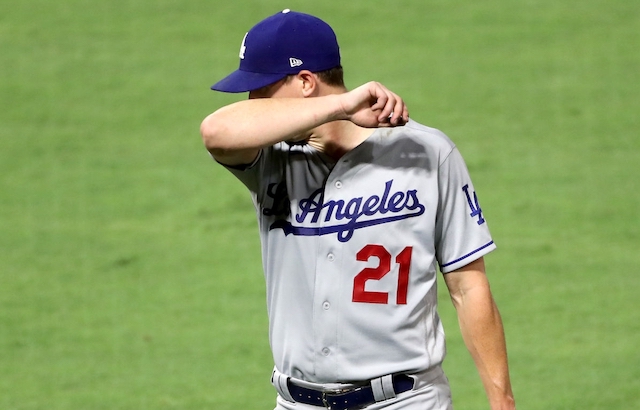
x,y
467,255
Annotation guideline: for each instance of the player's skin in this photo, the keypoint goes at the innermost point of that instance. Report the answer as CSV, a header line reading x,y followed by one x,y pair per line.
x,y
334,122
482,330
283,111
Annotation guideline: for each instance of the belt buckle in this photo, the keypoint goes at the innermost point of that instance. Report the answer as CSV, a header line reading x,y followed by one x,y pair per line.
x,y
337,393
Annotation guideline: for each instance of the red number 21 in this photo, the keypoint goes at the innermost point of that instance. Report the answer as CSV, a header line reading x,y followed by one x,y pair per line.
x,y
384,266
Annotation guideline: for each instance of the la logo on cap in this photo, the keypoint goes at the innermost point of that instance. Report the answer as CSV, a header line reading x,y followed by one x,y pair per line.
x,y
294,62
243,48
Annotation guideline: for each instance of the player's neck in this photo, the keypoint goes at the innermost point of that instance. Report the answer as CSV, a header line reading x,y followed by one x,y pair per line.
x,y
338,137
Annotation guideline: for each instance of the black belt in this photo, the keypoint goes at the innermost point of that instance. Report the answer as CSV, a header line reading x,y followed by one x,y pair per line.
x,y
348,399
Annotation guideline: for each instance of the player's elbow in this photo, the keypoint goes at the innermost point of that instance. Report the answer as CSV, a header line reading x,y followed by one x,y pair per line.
x,y
214,135
223,145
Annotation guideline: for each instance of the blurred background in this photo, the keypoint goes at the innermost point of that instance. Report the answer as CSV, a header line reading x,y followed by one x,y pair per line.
x,y
130,273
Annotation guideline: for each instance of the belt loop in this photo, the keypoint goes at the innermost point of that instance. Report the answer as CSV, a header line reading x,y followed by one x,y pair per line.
x,y
383,388
387,387
378,392
279,381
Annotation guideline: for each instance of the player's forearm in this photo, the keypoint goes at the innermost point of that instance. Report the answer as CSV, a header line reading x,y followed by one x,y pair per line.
x,y
483,333
258,123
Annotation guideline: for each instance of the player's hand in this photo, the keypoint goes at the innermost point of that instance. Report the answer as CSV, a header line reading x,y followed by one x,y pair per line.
x,y
372,105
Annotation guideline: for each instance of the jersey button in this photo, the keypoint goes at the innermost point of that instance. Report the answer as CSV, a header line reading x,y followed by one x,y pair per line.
x,y
331,257
338,184
326,351
326,305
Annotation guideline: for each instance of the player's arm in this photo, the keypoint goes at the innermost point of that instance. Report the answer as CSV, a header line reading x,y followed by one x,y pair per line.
x,y
236,133
482,331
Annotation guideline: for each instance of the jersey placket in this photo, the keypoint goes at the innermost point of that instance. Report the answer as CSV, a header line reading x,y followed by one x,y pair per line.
x,y
328,284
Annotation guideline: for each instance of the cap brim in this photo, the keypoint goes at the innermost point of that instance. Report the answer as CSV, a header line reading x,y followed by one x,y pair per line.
x,y
242,81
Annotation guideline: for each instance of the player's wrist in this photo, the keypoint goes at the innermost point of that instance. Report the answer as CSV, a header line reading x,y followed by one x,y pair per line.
x,y
503,402
337,108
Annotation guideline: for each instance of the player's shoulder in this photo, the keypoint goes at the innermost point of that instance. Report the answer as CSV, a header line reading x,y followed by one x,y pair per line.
x,y
414,132
428,135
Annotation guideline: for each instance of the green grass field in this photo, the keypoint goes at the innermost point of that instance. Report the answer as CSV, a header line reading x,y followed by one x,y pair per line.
x,y
130,272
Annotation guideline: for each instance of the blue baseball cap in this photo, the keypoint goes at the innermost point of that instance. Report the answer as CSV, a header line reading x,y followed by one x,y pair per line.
x,y
281,45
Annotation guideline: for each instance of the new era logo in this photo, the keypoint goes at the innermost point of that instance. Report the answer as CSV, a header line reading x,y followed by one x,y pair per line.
x,y
294,62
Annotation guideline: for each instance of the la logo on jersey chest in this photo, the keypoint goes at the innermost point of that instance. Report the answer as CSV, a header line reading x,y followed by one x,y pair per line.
x,y
317,216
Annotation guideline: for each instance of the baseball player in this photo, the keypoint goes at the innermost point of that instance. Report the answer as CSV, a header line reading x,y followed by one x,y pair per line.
x,y
358,207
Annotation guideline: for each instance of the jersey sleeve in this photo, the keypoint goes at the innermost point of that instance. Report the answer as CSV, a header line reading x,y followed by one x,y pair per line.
x,y
248,174
254,175
462,234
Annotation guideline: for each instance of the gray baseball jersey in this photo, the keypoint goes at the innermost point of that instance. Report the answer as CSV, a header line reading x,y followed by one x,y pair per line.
x,y
351,250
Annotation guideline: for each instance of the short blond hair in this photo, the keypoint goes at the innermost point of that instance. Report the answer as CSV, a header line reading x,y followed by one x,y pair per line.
x,y
333,77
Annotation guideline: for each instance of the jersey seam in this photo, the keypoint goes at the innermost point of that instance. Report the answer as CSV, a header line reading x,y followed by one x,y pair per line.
x,y
453,148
